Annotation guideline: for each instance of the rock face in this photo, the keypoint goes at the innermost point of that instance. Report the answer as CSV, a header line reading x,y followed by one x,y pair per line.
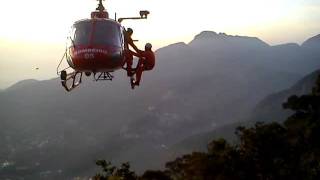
x,y
214,80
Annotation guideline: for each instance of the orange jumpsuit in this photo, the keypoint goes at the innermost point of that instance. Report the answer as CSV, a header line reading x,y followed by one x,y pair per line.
x,y
146,63
129,54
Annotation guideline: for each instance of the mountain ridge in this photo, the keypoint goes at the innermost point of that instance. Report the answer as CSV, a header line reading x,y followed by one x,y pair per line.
x,y
209,35
192,89
312,42
268,110
22,83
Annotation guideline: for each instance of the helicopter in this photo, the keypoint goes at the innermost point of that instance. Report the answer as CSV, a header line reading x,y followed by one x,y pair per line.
x,y
95,47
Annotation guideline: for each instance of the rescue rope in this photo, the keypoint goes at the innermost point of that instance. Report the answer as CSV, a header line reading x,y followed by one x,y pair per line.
x,y
64,55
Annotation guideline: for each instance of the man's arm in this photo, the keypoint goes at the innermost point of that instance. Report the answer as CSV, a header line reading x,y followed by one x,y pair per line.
x,y
136,54
134,46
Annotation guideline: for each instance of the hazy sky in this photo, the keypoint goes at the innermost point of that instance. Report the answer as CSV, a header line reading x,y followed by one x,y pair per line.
x,y
31,37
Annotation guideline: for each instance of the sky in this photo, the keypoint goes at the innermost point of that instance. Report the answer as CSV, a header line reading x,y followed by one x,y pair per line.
x,y
33,32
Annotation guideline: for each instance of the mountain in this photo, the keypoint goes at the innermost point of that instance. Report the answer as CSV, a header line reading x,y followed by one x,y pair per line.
x,y
223,41
214,80
290,58
312,43
268,110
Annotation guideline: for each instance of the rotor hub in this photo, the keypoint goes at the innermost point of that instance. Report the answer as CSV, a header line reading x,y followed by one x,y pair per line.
x,y
100,11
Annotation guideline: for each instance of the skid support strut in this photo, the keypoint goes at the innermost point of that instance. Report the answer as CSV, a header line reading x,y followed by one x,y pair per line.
x,y
103,76
75,78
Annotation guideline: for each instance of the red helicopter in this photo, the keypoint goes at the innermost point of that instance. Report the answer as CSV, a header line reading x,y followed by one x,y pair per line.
x,y
96,46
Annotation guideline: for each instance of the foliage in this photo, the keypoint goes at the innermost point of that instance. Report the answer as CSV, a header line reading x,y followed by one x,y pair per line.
x,y
155,175
110,172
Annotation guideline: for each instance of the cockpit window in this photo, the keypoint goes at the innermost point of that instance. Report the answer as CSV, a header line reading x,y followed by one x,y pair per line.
x,y
82,32
107,33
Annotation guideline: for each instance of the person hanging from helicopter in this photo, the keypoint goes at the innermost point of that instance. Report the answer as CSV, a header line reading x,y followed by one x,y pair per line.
x,y
129,54
146,63
128,39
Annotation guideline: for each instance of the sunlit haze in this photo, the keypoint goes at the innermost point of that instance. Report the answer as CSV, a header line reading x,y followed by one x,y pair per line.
x,y
33,32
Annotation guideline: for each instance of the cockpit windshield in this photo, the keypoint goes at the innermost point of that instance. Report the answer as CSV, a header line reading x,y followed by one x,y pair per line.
x,y
105,33
82,32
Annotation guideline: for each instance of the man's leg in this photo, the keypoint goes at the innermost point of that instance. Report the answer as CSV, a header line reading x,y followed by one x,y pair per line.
x,y
140,63
140,68
129,61
132,82
138,75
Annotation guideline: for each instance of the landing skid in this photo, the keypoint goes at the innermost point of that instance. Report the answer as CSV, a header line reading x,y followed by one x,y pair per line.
x,y
74,79
70,78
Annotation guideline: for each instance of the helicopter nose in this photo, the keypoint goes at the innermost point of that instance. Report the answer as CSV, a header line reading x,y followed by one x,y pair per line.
x,y
116,56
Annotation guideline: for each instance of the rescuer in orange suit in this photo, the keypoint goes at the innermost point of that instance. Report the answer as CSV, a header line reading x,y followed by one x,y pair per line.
x,y
146,63
129,54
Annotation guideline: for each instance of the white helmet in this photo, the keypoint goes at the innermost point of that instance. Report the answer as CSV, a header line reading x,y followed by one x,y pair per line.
x,y
148,46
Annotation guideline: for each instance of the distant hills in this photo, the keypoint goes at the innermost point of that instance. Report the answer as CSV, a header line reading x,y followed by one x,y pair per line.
x,y
215,80
268,110
312,42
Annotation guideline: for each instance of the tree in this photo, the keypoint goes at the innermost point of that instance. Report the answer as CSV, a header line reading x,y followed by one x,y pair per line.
x,y
155,175
304,131
110,172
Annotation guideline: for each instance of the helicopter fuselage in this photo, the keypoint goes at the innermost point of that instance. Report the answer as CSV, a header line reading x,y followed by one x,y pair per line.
x,y
97,45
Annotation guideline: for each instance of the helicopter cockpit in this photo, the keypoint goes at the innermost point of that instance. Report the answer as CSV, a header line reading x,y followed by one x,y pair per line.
x,y
98,32
94,42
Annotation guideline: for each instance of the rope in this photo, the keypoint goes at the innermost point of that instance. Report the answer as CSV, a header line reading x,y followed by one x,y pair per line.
x,y
64,55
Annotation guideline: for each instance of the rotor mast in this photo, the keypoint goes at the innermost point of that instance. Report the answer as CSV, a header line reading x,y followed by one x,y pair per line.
x,y
100,11
100,7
